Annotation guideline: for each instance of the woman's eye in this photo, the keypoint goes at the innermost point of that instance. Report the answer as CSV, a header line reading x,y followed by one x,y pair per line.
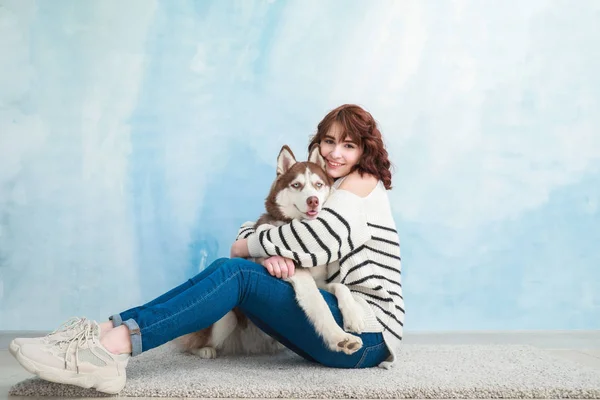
x,y
350,146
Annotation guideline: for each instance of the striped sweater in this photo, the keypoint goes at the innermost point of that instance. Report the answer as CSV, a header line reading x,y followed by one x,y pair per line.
x,y
357,238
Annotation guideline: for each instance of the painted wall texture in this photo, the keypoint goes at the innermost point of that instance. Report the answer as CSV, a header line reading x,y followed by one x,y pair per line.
x,y
135,137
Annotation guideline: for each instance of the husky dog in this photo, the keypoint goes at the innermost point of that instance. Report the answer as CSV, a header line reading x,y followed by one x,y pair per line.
x,y
298,192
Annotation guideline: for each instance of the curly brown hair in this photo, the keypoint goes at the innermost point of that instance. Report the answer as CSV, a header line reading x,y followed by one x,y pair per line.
x,y
360,126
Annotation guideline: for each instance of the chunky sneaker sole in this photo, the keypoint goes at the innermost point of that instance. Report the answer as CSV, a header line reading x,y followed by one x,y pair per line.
x,y
110,385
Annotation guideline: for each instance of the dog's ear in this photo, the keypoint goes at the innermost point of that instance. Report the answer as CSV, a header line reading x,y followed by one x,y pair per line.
x,y
314,156
285,160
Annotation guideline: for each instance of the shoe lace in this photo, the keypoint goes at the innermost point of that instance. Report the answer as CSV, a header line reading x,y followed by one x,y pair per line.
x,y
79,338
71,323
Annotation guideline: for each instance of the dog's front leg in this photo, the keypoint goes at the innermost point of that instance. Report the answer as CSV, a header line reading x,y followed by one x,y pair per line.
x,y
316,309
352,312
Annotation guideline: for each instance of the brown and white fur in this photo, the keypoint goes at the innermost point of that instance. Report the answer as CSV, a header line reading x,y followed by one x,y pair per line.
x,y
298,192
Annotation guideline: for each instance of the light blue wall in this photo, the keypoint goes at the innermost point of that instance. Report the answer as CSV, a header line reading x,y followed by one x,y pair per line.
x,y
136,136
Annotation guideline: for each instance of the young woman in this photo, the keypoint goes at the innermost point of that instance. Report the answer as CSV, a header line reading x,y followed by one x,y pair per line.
x,y
355,235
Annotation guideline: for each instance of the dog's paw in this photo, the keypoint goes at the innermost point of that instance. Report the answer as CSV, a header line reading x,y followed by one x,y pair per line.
x,y
348,344
205,352
353,318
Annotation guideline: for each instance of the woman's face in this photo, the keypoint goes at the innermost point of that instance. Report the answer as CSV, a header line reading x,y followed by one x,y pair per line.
x,y
340,153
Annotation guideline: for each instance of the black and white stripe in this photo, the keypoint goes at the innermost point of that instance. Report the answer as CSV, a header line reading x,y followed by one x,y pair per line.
x,y
295,256
346,224
330,232
244,232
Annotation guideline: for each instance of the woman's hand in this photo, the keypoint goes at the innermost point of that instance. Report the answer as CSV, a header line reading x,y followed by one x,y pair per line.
x,y
280,267
239,248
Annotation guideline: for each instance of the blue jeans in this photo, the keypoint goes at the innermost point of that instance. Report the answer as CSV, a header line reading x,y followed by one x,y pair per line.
x,y
267,301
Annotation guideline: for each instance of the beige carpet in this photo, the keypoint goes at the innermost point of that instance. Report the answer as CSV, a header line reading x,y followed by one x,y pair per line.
x,y
425,371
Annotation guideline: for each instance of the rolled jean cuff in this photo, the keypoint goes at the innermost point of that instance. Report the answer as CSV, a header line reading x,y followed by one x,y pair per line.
x,y
135,335
116,320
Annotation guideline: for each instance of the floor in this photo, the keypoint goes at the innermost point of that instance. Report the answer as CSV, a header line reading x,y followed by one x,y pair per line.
x,y
579,346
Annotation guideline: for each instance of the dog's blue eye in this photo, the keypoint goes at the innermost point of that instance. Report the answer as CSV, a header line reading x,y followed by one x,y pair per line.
x,y
319,184
295,185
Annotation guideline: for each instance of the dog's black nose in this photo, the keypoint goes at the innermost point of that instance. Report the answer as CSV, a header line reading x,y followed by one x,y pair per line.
x,y
313,201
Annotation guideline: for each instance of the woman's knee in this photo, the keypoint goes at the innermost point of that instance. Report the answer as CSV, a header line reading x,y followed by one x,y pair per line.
x,y
218,263
242,264
229,266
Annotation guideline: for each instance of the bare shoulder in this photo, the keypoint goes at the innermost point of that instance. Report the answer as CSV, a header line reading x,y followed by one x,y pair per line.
x,y
361,186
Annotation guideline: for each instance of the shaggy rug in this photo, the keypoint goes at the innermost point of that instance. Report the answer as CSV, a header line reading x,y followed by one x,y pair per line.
x,y
424,371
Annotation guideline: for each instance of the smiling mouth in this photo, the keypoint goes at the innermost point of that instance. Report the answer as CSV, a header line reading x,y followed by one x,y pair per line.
x,y
334,164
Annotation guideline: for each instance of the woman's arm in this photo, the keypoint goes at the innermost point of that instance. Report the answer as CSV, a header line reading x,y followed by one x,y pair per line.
x,y
245,230
341,225
239,248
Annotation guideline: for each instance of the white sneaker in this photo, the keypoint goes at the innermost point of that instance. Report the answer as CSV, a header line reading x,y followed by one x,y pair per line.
x,y
65,331
80,360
